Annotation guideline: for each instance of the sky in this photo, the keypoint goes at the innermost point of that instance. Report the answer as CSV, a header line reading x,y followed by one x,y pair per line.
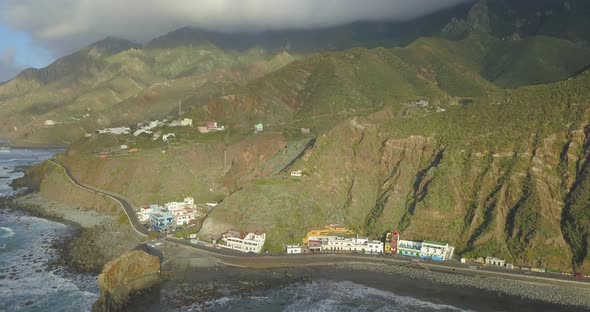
x,y
33,33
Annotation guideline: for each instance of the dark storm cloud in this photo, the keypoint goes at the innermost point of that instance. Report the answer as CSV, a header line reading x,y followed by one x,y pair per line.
x,y
66,25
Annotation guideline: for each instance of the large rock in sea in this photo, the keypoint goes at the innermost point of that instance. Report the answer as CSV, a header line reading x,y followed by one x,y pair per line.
x,y
130,273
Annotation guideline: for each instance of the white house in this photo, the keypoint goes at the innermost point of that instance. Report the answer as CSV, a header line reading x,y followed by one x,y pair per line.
x,y
167,136
115,131
294,249
184,217
436,251
495,261
375,247
425,249
297,173
140,131
251,242
344,244
186,122
144,212
188,203
49,123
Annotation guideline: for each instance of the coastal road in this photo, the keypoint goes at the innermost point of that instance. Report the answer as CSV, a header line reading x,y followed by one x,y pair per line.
x,y
125,203
229,257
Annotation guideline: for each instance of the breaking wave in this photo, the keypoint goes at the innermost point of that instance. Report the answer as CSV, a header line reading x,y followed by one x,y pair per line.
x,y
328,296
6,232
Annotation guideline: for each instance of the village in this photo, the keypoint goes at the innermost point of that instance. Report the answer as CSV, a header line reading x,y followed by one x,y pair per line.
x,y
332,239
337,239
173,215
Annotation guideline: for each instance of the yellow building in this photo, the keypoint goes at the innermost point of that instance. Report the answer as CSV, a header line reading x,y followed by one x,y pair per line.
x,y
332,229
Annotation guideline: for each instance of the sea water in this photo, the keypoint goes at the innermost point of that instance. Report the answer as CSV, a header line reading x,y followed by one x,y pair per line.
x,y
27,281
326,296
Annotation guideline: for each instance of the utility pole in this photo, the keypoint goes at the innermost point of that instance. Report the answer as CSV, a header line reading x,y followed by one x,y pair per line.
x,y
179,108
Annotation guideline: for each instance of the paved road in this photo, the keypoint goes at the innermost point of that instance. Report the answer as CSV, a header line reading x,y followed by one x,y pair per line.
x,y
126,204
231,257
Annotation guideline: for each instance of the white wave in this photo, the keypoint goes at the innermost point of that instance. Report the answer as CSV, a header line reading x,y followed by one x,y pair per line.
x,y
337,296
8,232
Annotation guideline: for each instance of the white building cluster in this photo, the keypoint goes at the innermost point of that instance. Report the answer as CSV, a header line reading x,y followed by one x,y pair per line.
x,y
211,126
171,214
326,241
425,250
244,242
147,128
115,131
185,122
338,244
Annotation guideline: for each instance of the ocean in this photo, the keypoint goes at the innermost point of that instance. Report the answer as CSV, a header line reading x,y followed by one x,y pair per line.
x,y
326,296
27,281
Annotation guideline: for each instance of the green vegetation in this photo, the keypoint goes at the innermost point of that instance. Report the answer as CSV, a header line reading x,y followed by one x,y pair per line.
x,y
122,220
481,141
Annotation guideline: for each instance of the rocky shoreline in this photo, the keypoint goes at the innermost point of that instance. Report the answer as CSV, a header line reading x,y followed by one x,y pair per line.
x,y
562,298
91,245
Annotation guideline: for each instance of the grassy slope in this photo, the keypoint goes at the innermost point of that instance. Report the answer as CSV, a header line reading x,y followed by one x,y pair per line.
x,y
534,60
94,82
498,189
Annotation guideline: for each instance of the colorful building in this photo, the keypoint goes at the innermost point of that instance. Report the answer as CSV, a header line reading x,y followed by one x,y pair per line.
x,y
409,248
425,250
161,220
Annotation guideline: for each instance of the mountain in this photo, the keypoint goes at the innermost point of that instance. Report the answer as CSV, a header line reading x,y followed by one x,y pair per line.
x,y
476,133
111,79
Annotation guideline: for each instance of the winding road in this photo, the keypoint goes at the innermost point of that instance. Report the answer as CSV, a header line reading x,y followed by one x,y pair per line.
x,y
232,258
125,203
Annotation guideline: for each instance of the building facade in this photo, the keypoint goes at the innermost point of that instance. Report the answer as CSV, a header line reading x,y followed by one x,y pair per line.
x,y
161,220
250,242
436,251
409,248
425,250
495,261
294,249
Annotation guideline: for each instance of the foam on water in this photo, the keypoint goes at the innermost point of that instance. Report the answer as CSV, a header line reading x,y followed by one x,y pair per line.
x,y
327,296
6,232
26,281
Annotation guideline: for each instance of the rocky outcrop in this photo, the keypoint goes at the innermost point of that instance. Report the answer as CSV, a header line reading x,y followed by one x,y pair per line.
x,y
132,272
92,248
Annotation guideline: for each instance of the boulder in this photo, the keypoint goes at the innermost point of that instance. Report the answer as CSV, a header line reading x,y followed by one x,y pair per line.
x,y
132,272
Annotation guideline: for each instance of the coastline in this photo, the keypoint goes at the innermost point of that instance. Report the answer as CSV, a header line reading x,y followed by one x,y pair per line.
x,y
197,278
38,205
95,240
206,283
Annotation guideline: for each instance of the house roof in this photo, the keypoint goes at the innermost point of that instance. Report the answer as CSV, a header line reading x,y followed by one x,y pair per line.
x,y
435,243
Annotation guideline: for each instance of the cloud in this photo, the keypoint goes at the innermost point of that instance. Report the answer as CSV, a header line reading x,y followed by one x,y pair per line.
x,y
66,25
8,68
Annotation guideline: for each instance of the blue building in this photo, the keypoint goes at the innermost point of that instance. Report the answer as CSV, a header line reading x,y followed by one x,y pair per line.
x,y
161,220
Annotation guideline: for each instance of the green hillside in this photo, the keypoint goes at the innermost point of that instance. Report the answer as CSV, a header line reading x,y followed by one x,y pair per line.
x,y
535,60
99,86
477,133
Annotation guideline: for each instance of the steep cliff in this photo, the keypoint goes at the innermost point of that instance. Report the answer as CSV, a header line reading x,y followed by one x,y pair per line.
x,y
130,273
